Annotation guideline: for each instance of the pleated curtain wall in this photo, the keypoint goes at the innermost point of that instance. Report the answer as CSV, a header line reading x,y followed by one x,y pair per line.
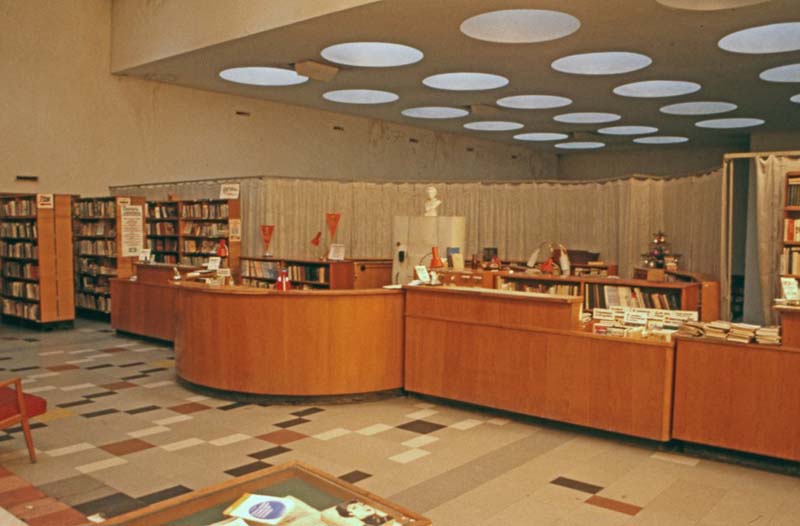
x,y
616,217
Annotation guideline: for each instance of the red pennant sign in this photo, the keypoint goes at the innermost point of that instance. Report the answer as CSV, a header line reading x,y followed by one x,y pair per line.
x,y
266,235
333,222
315,240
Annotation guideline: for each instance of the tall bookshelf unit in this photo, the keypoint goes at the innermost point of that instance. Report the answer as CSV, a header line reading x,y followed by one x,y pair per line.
x,y
790,254
98,242
208,227
303,273
36,258
163,230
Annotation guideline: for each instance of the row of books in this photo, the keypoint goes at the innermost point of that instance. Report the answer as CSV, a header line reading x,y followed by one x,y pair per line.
x,y
12,269
90,266
163,211
94,302
205,210
95,228
562,289
21,289
100,208
604,296
162,245
790,260
19,207
791,229
601,272
162,229
21,309
18,229
96,284
247,282
732,332
793,192
205,229
205,246
19,250
198,261
307,273
105,247
166,258
260,269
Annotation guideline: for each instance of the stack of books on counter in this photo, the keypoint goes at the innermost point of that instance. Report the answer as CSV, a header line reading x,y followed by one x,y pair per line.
x,y
742,332
694,329
717,330
768,335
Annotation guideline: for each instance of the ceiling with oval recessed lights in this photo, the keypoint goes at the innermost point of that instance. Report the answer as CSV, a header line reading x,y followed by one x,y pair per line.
x,y
537,76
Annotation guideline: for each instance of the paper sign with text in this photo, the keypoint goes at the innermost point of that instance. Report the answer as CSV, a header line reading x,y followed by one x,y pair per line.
x,y
45,201
229,191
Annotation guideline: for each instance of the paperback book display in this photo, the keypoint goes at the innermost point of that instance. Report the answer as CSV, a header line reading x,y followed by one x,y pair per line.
x,y
260,510
732,332
627,322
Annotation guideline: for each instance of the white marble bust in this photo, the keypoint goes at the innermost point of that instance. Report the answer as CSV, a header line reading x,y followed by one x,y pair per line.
x,y
432,203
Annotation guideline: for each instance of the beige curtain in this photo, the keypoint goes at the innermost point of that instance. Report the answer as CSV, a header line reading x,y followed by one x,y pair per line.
x,y
616,218
770,172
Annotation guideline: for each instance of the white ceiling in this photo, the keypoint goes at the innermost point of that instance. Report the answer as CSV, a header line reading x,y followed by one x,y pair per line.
x,y
682,44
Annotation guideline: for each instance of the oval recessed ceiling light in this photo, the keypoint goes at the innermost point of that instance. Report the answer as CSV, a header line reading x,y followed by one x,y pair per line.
x,y
262,76
605,63
435,112
727,124
360,96
796,98
587,118
540,136
580,145
372,54
709,5
627,130
790,73
772,38
699,108
520,26
661,139
534,102
657,88
493,125
465,81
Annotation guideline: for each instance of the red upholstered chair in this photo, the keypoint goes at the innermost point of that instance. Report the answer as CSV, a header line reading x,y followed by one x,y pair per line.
x,y
17,407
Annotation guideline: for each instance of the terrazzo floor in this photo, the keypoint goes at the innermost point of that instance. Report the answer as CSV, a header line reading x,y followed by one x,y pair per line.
x,y
120,434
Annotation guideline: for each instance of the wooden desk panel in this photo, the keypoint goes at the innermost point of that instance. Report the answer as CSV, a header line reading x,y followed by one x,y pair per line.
x,y
742,397
301,343
146,309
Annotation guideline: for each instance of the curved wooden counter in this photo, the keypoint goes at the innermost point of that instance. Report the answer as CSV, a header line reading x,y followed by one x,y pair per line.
x,y
295,343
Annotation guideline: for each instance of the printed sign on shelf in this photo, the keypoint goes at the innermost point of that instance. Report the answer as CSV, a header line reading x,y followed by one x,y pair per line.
x,y
214,262
131,230
45,201
124,201
144,255
229,191
235,229
224,272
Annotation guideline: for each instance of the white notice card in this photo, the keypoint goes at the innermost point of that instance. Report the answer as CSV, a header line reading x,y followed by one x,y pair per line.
x,y
131,230
790,290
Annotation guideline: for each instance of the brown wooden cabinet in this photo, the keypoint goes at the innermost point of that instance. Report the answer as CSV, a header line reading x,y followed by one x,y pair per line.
x,y
97,234
36,257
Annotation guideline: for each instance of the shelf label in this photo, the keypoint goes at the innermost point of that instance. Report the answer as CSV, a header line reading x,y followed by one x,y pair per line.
x,y
790,289
131,230
45,201
214,262
635,318
603,314
336,253
229,191
144,255
235,229
124,201
224,272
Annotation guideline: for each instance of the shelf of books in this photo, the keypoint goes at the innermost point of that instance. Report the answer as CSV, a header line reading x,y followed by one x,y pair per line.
x,y
594,269
790,255
604,293
162,230
96,226
303,273
35,258
210,227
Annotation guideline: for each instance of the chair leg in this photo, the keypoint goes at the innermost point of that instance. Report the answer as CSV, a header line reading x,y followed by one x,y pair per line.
x,y
26,430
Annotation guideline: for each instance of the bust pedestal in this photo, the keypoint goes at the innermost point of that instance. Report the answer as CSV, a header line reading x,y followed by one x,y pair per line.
x,y
418,234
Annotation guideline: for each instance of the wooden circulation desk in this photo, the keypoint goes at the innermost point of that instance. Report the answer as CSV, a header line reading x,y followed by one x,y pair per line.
x,y
147,306
525,353
294,343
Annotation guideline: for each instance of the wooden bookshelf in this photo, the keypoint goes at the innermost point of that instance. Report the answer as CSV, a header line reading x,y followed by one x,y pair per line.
x,y
163,231
594,269
36,258
210,227
303,273
790,250
709,291
604,292
97,234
